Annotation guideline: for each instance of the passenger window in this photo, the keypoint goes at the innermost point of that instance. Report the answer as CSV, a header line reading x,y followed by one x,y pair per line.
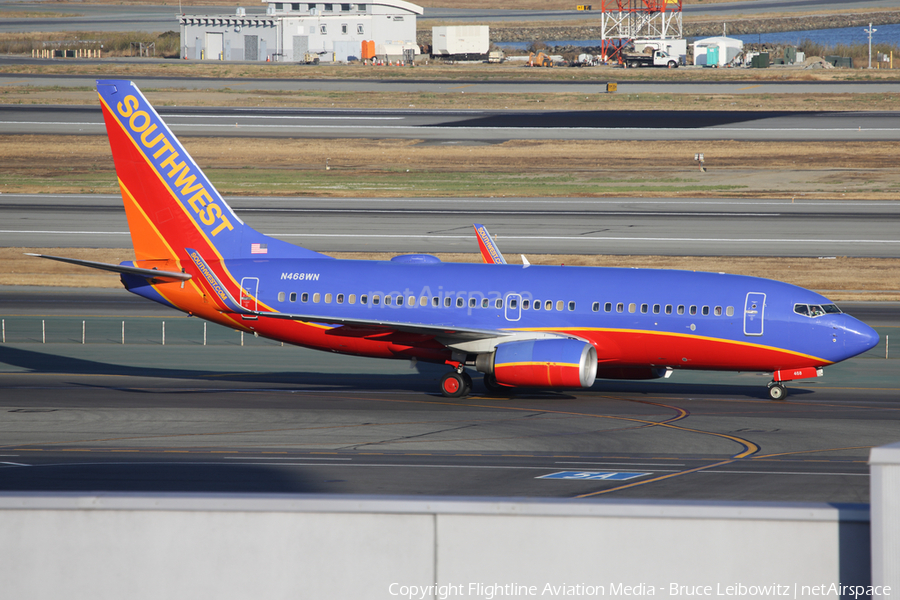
x,y
460,302
340,298
498,303
644,308
718,311
571,305
317,297
513,303
632,307
681,309
351,299
693,309
364,299
729,312
559,305
435,301
525,304
668,309
595,307
411,301
620,307
327,298
548,305
293,297
485,302
281,296
387,300
448,301
656,309
473,302
705,311
375,299
537,305
304,297
607,307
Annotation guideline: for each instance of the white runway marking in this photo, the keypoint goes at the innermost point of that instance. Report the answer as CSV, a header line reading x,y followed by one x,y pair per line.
x,y
507,237
281,458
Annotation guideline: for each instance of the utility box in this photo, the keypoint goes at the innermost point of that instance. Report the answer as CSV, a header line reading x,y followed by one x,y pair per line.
x,y
790,55
611,87
760,61
460,40
840,61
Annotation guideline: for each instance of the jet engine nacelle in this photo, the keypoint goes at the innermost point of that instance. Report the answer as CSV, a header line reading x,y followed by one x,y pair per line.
x,y
542,363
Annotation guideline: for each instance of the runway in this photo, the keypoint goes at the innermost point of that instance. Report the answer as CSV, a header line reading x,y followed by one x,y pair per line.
x,y
417,84
474,125
675,226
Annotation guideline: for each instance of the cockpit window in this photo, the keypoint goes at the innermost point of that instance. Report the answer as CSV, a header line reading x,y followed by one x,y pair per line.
x,y
816,310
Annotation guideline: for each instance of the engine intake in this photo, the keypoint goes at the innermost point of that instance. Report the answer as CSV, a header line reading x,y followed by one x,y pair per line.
x,y
542,363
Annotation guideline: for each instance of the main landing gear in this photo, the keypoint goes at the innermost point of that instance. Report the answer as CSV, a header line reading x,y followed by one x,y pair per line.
x,y
456,384
777,391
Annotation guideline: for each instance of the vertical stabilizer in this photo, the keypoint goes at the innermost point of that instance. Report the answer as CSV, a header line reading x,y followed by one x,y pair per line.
x,y
169,202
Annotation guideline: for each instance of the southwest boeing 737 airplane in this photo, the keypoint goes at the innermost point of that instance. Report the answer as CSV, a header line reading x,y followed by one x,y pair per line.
x,y
519,325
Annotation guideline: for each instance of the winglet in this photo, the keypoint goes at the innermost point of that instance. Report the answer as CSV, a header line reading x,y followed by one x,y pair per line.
x,y
490,253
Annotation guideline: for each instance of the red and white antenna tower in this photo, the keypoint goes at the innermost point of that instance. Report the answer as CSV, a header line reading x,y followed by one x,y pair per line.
x,y
623,20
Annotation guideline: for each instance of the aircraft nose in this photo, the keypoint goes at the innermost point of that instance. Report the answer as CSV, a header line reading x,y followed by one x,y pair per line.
x,y
859,337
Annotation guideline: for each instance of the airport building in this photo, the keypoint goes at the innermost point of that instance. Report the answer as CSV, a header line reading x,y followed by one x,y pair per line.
x,y
292,31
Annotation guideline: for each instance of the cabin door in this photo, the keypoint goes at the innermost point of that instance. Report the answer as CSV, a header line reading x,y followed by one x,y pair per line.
x,y
754,312
249,290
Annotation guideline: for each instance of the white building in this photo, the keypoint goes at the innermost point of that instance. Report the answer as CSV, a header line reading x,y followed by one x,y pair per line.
x,y
290,30
717,51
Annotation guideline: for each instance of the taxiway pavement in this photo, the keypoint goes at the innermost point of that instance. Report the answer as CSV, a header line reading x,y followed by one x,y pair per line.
x,y
266,418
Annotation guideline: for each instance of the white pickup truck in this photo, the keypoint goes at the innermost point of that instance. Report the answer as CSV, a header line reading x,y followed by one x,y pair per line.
x,y
657,59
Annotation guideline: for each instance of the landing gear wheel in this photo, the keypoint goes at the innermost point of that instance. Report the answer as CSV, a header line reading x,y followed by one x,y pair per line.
x,y
777,391
467,379
491,385
453,385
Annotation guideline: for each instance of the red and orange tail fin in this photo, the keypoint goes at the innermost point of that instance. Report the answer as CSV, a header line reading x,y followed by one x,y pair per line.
x,y
169,202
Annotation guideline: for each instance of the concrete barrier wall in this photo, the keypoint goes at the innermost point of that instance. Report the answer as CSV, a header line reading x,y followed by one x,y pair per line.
x,y
885,486
213,546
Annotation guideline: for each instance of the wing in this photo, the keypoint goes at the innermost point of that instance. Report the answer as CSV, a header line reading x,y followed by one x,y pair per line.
x,y
447,334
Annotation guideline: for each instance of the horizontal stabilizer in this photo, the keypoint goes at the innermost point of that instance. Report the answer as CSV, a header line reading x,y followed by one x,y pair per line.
x,y
148,273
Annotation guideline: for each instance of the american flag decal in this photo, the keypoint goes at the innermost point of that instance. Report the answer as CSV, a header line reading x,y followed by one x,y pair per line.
x,y
259,248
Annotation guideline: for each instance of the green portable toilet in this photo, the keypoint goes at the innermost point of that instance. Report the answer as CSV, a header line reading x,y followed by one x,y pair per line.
x,y
712,56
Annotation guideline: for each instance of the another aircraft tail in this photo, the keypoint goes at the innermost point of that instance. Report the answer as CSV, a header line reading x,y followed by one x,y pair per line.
x,y
169,202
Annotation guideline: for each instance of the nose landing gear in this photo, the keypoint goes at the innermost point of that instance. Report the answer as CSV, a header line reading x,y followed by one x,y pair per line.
x,y
777,391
